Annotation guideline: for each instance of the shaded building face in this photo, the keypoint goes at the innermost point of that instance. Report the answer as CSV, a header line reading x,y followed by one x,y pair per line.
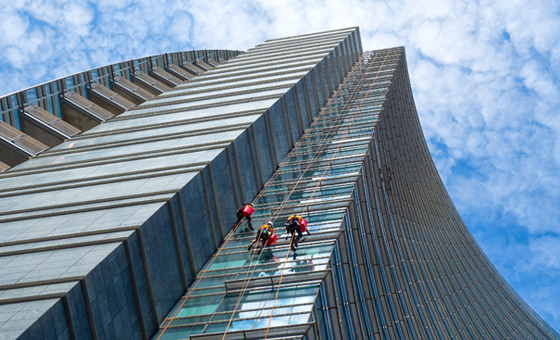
x,y
124,231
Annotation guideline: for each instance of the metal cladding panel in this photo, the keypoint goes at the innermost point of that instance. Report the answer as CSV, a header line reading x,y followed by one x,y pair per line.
x,y
150,83
86,107
53,124
4,167
17,146
132,89
111,97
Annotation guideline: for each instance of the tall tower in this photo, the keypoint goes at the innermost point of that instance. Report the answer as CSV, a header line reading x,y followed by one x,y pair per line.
x,y
124,230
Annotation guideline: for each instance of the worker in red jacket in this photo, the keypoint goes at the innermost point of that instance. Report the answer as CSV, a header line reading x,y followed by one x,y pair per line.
x,y
295,224
245,211
265,235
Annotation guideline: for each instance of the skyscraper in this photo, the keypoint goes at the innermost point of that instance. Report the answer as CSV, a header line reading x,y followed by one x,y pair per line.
x,y
123,231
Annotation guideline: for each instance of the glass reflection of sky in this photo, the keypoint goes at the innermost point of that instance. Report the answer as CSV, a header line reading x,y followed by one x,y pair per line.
x,y
331,178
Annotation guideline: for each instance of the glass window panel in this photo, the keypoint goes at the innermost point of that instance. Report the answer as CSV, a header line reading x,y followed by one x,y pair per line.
x,y
327,80
180,333
302,104
229,261
292,114
318,85
214,281
311,94
185,321
200,305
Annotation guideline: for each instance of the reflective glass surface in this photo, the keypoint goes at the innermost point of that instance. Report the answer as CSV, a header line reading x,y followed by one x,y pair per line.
x,y
316,181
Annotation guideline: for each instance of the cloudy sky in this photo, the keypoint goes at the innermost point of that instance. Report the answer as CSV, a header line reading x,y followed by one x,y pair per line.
x,y
485,76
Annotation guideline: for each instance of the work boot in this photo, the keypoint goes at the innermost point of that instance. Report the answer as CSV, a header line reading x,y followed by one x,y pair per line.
x,y
249,247
250,226
288,235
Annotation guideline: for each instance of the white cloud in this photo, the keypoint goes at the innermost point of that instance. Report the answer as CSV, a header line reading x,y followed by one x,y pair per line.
x,y
180,27
12,27
77,18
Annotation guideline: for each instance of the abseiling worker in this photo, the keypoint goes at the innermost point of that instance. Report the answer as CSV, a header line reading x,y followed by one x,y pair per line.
x,y
245,211
296,224
265,235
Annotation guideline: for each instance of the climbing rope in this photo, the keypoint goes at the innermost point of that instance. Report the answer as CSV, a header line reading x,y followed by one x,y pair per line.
x,y
279,285
299,143
243,285
243,289
267,184
309,128
200,279
338,147
324,144
346,131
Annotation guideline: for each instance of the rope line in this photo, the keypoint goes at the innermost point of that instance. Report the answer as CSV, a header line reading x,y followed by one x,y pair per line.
x,y
299,143
309,128
200,279
261,193
346,131
279,284
242,293
323,145
333,129
243,288
338,147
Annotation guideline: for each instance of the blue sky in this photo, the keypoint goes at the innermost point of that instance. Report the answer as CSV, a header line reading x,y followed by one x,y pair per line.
x,y
485,76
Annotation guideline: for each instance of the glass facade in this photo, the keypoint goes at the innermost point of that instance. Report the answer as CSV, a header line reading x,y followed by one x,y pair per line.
x,y
124,231
388,257
103,233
